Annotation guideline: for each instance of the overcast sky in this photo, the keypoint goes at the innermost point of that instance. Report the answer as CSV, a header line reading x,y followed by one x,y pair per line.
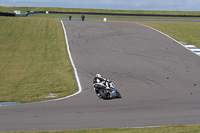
x,y
167,5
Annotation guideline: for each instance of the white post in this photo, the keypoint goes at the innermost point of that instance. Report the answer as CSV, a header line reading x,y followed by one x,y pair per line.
x,y
104,19
17,12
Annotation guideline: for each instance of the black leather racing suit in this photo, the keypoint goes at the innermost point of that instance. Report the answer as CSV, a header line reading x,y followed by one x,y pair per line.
x,y
99,80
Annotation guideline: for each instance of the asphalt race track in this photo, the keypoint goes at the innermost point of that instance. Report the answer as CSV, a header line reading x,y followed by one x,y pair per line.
x,y
157,78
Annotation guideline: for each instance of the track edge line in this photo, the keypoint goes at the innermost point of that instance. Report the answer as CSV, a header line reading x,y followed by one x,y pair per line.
x,y
75,73
166,36
74,68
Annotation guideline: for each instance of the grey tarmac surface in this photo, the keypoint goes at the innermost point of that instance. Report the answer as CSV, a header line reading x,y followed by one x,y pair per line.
x,y
157,78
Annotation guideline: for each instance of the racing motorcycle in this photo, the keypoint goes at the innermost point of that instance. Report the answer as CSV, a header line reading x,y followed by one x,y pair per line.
x,y
107,90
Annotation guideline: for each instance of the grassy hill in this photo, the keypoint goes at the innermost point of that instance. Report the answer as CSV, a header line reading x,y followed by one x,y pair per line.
x,y
34,62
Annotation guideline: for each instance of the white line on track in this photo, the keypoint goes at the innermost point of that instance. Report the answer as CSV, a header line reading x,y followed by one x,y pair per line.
x,y
185,46
193,49
74,67
75,73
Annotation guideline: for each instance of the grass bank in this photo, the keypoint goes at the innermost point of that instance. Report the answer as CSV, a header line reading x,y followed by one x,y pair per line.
x,y
34,62
163,129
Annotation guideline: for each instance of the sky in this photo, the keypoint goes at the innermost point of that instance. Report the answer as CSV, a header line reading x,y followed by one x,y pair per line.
x,y
162,5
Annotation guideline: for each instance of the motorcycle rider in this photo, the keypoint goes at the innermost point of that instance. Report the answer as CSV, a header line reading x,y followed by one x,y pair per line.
x,y
99,79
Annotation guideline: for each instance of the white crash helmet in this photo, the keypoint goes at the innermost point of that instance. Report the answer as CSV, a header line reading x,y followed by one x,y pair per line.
x,y
98,75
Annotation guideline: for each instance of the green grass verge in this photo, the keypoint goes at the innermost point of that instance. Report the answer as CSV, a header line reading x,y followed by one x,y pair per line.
x,y
187,32
163,129
34,61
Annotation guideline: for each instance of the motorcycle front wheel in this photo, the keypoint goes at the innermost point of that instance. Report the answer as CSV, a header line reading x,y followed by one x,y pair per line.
x,y
118,95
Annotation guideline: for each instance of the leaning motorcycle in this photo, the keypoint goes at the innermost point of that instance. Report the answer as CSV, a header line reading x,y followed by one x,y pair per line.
x,y
107,92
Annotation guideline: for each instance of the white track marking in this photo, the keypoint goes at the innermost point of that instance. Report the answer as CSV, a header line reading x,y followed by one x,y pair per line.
x,y
193,49
74,67
75,73
185,46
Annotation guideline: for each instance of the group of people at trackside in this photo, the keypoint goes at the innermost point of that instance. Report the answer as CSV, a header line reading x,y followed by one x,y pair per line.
x,y
82,17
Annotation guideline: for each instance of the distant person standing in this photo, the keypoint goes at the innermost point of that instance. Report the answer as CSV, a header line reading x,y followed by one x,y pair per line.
x,y
83,17
70,17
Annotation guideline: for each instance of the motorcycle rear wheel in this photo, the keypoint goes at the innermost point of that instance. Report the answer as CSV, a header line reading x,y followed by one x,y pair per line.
x,y
103,94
